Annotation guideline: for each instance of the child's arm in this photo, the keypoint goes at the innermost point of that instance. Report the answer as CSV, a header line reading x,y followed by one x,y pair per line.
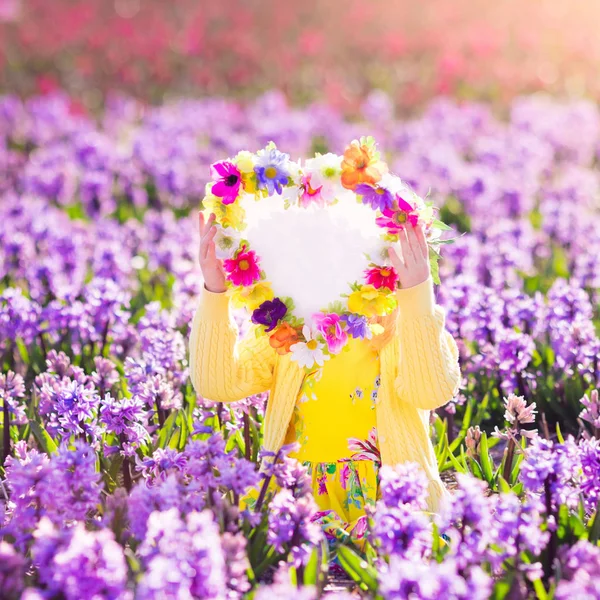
x,y
428,371
222,368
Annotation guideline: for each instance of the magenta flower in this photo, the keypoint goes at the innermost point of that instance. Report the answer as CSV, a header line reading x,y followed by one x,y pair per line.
x,y
330,326
395,220
244,268
228,180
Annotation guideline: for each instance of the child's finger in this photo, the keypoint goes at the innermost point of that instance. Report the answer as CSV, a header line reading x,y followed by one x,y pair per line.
x,y
407,253
413,241
420,234
208,240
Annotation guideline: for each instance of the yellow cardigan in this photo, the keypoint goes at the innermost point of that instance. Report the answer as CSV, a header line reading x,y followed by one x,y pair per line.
x,y
419,373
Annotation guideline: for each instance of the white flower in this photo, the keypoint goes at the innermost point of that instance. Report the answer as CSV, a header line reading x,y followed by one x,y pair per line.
x,y
325,172
227,241
306,354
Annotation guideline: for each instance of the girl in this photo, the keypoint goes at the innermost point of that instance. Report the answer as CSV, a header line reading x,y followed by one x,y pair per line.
x,y
369,407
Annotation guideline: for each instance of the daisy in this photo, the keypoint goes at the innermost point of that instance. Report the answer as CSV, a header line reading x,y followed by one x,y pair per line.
x,y
306,354
272,170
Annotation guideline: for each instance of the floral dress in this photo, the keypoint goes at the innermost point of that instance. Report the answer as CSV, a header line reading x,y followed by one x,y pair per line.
x,y
334,423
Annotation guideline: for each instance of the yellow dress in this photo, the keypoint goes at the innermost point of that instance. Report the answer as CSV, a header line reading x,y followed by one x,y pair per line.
x,y
334,423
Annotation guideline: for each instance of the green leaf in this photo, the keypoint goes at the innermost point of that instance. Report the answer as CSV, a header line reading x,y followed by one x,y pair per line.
x,y
595,526
43,437
503,484
164,435
311,570
455,463
360,571
559,434
487,464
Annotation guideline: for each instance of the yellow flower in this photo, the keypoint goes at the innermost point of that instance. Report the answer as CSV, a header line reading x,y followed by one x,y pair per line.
x,y
369,301
227,215
249,182
253,296
244,161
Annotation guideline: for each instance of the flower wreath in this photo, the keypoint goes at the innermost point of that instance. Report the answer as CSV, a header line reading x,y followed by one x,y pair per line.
x,y
320,180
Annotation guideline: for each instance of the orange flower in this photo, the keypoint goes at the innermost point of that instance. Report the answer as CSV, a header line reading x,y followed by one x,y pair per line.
x,y
361,164
283,337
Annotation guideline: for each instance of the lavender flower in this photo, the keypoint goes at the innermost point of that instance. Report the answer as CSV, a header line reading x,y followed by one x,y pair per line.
x,y
75,562
290,525
12,388
182,558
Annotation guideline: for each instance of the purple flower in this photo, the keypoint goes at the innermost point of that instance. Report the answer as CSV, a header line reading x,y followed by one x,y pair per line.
x,y
581,571
271,170
269,313
228,180
76,563
405,579
589,454
402,530
404,484
12,388
552,466
376,197
12,570
182,558
126,418
290,525
357,326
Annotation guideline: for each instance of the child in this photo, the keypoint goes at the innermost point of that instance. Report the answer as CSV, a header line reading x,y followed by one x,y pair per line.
x,y
371,404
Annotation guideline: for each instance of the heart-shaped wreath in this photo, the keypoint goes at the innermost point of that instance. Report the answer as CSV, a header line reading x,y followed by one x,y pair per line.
x,y
323,181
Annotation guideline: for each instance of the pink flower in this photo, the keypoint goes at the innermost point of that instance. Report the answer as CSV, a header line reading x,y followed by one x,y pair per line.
x,y
360,528
395,220
382,277
310,195
344,475
228,180
331,327
243,269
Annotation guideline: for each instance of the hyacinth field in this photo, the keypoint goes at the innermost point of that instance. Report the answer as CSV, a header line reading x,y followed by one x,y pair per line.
x,y
118,481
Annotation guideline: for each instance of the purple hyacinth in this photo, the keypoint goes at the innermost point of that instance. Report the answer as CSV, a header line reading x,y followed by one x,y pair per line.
x,y
580,566
401,531
552,466
127,419
12,390
290,525
269,313
12,570
404,484
405,579
589,455
182,557
76,563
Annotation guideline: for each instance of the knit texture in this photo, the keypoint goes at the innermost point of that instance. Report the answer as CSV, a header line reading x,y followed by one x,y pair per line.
x,y
419,372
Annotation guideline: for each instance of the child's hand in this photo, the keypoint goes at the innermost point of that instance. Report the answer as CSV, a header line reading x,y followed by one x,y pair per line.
x,y
212,267
413,268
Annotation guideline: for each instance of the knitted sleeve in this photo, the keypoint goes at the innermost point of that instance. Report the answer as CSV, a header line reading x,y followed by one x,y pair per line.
x,y
428,370
223,368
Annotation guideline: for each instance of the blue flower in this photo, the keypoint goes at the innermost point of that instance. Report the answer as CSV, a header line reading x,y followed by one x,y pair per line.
x,y
358,326
271,170
377,197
